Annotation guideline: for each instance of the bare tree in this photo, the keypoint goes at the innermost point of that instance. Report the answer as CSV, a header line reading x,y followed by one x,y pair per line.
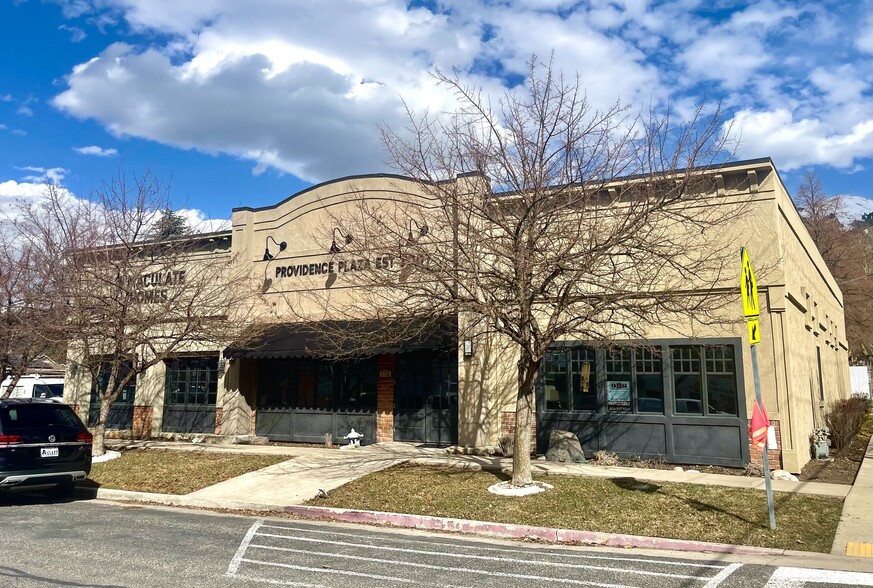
x,y
848,253
132,300
518,228
31,313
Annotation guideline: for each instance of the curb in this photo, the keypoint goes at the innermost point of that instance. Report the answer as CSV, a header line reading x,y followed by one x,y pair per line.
x,y
431,523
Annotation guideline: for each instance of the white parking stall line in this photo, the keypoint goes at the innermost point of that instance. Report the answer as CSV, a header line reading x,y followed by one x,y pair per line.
x,y
466,556
329,571
720,577
237,558
473,545
248,578
799,577
445,568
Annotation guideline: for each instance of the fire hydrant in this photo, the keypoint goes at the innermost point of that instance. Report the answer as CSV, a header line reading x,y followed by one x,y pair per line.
x,y
354,438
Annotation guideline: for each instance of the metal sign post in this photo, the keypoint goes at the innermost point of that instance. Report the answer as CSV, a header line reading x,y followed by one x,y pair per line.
x,y
751,311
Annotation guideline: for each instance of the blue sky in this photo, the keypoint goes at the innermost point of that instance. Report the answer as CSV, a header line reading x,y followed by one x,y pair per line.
x,y
245,103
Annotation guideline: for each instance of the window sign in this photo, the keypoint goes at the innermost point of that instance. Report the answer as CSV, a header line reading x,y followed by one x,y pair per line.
x,y
618,395
584,377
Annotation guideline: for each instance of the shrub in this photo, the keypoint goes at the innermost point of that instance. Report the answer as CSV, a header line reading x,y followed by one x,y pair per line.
x,y
843,418
506,445
607,458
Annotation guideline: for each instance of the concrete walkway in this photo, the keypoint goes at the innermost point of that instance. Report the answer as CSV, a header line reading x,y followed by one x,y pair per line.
x,y
855,533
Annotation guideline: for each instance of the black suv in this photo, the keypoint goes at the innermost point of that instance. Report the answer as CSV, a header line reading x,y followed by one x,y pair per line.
x,y
42,443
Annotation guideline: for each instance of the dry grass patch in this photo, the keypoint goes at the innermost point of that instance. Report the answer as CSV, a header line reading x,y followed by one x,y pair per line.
x,y
175,472
625,505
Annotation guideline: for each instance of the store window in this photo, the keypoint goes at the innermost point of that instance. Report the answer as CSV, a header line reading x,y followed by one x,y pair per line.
x,y
687,380
583,378
704,380
721,380
192,380
633,380
99,385
649,380
618,380
305,383
570,379
555,373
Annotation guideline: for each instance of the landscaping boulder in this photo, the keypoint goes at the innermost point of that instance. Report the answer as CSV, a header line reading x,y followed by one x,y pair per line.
x,y
564,447
783,475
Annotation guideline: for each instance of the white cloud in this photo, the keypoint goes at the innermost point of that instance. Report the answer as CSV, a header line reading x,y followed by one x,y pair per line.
x,y
6,98
12,193
25,110
76,34
45,175
95,150
199,221
795,143
301,87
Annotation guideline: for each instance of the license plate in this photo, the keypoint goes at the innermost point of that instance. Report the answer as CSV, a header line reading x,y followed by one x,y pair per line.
x,y
48,452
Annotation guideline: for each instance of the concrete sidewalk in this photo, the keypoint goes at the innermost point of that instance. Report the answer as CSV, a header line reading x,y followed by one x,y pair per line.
x,y
854,535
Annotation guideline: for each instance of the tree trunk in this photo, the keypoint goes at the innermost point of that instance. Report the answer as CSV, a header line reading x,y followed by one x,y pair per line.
x,y
524,411
98,448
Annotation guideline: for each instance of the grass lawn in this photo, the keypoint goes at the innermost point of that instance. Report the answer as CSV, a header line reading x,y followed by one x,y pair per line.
x,y
625,505
174,472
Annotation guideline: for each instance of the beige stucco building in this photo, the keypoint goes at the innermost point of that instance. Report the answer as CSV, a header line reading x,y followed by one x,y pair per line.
x,y
684,397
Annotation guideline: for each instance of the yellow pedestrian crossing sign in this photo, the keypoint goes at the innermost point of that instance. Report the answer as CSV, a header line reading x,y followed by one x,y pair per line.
x,y
754,331
748,288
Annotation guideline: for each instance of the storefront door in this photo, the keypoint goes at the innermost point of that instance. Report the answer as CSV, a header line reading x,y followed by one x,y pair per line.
x,y
426,398
121,411
189,404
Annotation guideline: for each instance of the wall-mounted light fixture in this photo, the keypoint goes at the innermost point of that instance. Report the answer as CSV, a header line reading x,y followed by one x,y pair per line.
x,y
347,238
468,348
420,227
267,255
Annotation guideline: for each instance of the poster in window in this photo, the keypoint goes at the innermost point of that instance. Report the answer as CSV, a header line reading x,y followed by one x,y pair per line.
x,y
618,395
584,377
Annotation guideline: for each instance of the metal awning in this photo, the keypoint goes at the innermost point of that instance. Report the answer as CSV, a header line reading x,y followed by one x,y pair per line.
x,y
347,338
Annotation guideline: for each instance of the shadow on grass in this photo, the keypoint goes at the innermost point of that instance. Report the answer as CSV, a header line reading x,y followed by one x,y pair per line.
x,y
635,485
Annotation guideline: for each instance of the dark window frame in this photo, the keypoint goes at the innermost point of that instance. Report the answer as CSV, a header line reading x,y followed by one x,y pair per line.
x,y
663,348
98,384
207,376
347,385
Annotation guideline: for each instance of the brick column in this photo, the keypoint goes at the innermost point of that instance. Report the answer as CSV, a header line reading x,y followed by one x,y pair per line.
x,y
385,399
142,422
774,454
507,428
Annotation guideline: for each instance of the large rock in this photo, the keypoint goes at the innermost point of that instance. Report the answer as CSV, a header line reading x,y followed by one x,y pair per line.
x,y
564,446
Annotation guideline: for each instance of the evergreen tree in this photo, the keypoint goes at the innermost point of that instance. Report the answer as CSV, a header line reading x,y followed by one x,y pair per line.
x,y
170,225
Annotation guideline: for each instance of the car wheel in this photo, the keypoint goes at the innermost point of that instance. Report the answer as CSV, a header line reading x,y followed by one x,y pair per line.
x,y
63,490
